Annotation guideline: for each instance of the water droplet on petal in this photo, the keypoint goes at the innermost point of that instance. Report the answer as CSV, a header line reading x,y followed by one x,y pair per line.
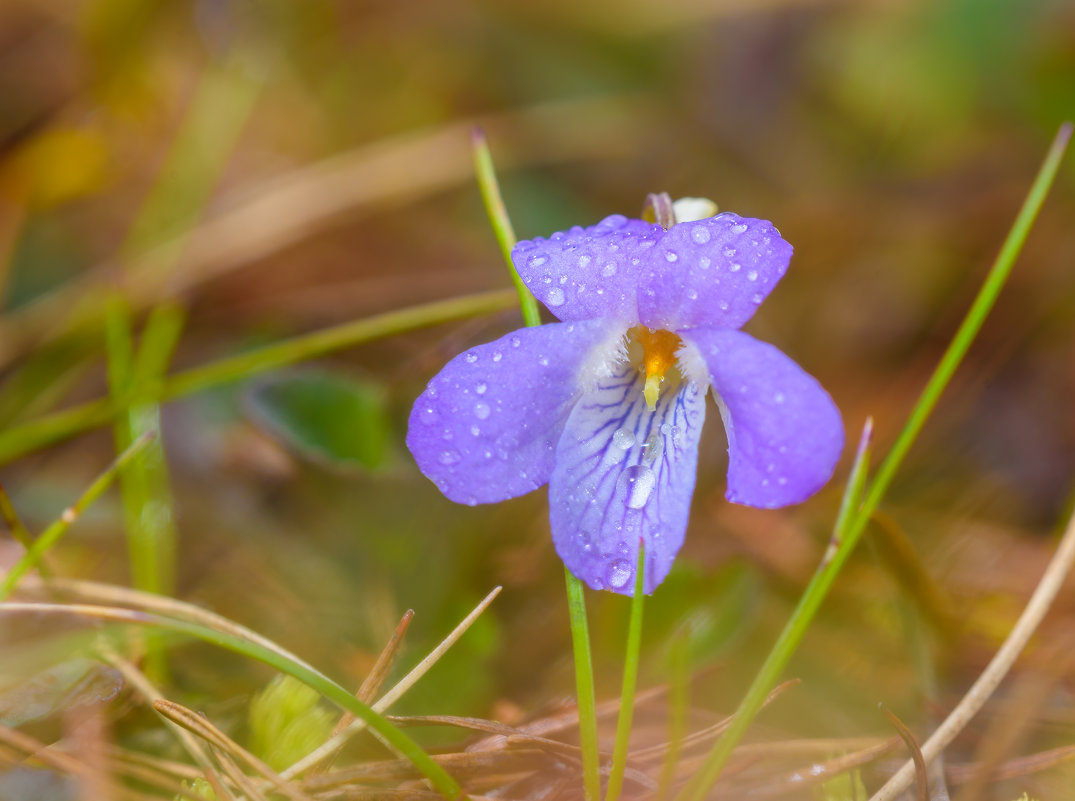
x,y
700,234
608,270
516,342
653,449
471,357
704,262
619,573
778,397
537,261
735,266
480,389
481,410
752,275
448,457
584,261
739,228
724,305
637,483
623,439
671,255
497,356
555,297
692,294
475,431
428,415
757,297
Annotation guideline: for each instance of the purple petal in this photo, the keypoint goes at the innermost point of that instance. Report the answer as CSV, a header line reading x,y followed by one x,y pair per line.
x,y
622,473
590,272
487,425
785,434
712,272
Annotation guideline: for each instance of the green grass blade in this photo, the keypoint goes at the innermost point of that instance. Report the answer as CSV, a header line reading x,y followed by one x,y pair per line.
x,y
51,535
630,682
852,521
394,737
502,227
53,428
576,601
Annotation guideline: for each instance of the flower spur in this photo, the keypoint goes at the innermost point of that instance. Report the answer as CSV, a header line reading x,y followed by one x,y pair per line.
x,y
607,405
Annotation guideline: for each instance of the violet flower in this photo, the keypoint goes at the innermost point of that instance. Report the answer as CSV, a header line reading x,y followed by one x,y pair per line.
x,y
607,405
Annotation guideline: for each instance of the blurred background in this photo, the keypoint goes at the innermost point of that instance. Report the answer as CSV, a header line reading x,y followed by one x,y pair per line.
x,y
253,170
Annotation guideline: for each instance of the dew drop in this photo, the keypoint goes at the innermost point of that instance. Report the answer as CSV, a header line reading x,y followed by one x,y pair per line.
x,y
497,356
752,275
471,357
757,297
670,255
619,573
739,228
700,234
475,431
637,483
729,253
555,297
481,410
692,294
735,266
488,454
724,305
584,262
623,439
448,457
704,262
778,397
537,261
653,449
428,415
516,342
608,270
480,389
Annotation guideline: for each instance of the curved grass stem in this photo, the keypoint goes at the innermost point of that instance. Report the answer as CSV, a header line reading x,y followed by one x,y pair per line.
x,y
389,734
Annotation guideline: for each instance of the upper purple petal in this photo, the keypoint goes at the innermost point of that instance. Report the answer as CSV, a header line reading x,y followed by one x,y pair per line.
x,y
586,273
711,272
486,427
785,434
624,473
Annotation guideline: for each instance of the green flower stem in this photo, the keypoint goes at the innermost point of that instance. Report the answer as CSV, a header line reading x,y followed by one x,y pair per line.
x,y
392,736
51,535
854,517
53,428
630,682
576,601
584,687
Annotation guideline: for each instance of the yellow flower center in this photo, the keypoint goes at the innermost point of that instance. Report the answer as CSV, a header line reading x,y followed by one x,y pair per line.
x,y
658,354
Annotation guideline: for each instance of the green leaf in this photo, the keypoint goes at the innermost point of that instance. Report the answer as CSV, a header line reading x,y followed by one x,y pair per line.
x,y
336,421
